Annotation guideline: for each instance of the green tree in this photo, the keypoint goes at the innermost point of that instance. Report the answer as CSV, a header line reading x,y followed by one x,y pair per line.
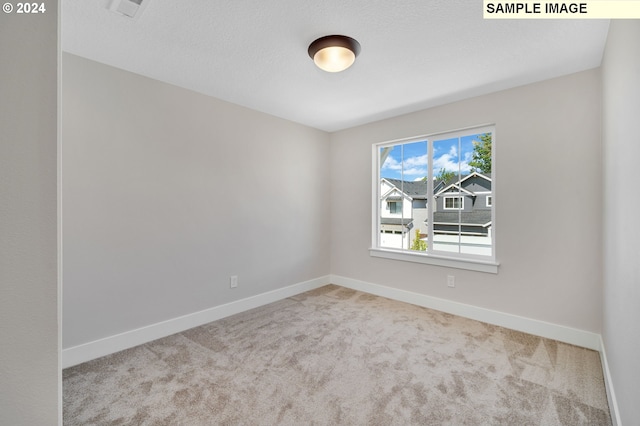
x,y
481,161
444,175
417,243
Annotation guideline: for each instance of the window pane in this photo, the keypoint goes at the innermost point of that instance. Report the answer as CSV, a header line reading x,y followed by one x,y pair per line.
x,y
453,203
476,221
448,166
403,195
455,170
462,215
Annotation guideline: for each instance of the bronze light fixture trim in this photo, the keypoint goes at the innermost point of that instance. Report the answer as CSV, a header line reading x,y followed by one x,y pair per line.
x,y
334,53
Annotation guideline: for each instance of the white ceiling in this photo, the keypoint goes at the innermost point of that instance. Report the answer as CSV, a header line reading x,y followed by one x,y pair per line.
x,y
415,53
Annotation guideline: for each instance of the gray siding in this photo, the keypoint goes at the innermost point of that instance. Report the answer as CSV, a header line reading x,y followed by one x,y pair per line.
x,y
477,184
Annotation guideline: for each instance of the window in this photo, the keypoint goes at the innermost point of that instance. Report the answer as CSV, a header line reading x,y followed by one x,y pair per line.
x,y
448,182
451,203
395,207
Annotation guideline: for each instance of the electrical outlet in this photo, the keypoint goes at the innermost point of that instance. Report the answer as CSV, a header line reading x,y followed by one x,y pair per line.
x,y
451,281
233,281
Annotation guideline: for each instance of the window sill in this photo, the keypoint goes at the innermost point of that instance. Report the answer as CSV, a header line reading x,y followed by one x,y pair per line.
x,y
490,267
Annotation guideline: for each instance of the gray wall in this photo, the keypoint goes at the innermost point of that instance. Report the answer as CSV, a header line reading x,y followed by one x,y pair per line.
x,y
29,369
621,140
166,193
550,265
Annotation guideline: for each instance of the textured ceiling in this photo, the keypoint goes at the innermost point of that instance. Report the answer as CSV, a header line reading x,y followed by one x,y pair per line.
x,y
415,53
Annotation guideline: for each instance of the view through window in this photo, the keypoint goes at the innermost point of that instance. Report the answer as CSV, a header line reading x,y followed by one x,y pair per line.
x,y
435,194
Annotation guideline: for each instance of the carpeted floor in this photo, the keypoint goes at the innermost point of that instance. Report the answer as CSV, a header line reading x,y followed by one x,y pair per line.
x,y
334,356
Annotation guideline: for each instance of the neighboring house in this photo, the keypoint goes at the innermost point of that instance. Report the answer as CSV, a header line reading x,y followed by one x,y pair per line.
x,y
462,206
465,202
403,206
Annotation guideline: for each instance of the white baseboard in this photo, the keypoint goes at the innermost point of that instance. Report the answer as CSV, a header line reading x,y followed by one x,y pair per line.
x,y
561,333
608,382
108,345
98,348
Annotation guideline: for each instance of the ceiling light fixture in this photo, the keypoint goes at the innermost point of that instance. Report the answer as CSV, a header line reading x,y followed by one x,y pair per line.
x,y
334,53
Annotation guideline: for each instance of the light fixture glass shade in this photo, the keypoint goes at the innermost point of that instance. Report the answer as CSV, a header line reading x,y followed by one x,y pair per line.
x,y
334,53
334,58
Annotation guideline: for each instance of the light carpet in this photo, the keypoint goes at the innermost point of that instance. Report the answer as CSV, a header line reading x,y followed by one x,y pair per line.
x,y
335,356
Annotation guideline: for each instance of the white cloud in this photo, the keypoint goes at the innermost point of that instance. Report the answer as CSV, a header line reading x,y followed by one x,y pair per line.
x,y
391,164
445,161
420,160
413,166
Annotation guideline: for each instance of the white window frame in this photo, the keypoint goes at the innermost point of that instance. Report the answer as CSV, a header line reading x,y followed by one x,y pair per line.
x,y
466,261
489,200
453,197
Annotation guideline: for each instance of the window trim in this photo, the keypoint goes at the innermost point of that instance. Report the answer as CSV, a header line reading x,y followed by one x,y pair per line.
x,y
488,264
490,267
488,201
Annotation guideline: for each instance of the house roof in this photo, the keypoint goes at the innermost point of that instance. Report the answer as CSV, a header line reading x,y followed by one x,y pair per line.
x,y
414,189
454,179
454,182
418,189
396,221
477,217
453,189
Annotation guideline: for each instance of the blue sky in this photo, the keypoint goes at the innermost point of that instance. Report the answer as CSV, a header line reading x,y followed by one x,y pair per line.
x,y
409,161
